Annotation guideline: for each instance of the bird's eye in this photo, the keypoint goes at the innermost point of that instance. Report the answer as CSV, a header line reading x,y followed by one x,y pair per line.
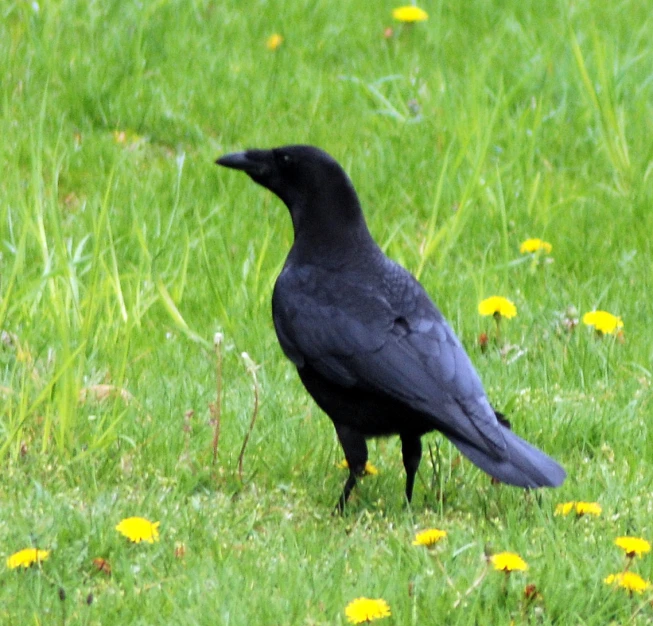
x,y
284,159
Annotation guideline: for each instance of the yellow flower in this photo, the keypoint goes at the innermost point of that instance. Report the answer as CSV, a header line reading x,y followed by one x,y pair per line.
x,y
633,546
604,322
274,41
139,529
580,508
410,14
429,537
27,557
564,508
588,508
369,470
629,581
366,610
535,245
497,306
508,562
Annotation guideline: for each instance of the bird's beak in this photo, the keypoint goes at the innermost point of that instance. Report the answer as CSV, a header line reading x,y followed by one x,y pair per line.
x,y
244,161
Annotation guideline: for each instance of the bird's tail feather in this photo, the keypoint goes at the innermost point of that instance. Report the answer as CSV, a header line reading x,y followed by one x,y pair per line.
x,y
523,466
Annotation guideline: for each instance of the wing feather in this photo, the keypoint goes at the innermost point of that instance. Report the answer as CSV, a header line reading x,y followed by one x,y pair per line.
x,y
411,355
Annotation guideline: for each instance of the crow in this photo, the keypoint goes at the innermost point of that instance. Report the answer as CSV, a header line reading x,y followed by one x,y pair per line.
x,y
369,345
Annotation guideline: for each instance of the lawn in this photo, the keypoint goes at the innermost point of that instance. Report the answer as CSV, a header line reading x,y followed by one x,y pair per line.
x,y
124,250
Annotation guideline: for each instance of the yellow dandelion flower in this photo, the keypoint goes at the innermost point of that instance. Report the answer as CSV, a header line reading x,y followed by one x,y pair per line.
x,y
497,306
429,537
27,557
564,508
370,470
580,508
629,581
274,41
410,14
535,245
366,610
139,529
588,508
633,546
508,562
604,322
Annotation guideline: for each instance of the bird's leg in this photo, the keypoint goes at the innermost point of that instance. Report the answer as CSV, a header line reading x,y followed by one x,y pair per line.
x,y
355,449
411,450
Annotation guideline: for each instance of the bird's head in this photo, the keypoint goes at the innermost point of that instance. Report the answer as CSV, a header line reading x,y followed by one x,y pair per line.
x,y
291,172
311,183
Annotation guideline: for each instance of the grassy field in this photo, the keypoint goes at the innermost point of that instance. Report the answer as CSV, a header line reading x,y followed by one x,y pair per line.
x,y
124,250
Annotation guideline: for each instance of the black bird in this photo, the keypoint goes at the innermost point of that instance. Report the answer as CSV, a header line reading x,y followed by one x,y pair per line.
x,y
371,348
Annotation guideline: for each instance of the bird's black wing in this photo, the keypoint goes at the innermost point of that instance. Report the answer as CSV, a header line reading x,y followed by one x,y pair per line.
x,y
356,336
324,327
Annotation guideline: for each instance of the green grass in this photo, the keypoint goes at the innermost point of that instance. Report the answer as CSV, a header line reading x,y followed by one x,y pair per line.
x,y
121,255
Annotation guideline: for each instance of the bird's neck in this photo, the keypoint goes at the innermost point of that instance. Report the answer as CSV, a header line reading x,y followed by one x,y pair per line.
x,y
333,232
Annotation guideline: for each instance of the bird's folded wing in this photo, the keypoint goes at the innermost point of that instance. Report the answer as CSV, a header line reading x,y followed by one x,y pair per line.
x,y
324,335
416,360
